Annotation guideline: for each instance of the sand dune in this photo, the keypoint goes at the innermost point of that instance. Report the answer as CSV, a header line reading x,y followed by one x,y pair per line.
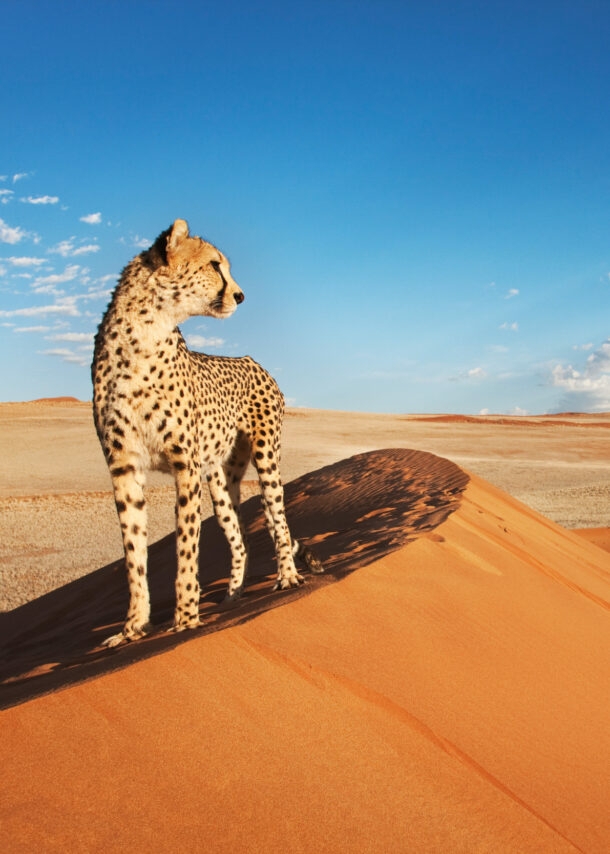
x,y
444,688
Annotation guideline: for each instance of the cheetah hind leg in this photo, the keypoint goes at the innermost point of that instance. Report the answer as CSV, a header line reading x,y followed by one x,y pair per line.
x,y
225,498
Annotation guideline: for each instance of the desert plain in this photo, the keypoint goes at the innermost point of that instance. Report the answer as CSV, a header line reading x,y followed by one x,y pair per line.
x,y
444,687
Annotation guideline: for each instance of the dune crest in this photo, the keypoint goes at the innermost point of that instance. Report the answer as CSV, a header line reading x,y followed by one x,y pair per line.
x,y
450,695
352,512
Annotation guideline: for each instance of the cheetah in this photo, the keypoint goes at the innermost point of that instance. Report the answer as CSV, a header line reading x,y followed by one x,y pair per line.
x,y
159,405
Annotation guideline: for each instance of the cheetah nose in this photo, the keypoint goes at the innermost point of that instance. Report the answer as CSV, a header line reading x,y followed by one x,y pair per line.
x,y
239,297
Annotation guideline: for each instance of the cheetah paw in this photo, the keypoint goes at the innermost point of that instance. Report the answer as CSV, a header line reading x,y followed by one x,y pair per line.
x,y
184,626
114,640
230,601
125,636
289,581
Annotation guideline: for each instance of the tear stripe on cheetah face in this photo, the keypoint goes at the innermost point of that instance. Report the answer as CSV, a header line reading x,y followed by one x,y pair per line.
x,y
156,404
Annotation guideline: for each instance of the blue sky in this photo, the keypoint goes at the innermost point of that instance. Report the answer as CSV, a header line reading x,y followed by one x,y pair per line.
x,y
415,196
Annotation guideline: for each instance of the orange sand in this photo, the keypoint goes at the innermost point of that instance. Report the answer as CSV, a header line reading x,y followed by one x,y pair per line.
x,y
444,689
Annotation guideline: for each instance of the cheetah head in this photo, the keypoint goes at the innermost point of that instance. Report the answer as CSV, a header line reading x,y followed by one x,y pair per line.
x,y
201,276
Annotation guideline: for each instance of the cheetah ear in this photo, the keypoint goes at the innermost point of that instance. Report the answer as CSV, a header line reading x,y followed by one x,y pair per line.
x,y
178,234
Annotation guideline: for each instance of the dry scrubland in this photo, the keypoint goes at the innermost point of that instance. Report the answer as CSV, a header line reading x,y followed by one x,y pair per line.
x,y
57,516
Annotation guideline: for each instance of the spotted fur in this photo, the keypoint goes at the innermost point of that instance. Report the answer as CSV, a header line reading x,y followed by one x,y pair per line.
x,y
158,405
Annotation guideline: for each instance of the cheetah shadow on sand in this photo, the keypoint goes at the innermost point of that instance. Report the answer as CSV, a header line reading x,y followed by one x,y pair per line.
x,y
351,513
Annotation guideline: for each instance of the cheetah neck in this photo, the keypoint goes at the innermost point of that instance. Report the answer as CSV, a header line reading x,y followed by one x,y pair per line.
x,y
141,314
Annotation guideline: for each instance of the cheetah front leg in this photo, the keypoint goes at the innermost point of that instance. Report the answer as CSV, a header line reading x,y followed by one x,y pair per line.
x,y
188,528
131,507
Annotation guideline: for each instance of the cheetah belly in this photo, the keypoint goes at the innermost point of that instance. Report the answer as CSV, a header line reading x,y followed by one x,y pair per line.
x,y
163,430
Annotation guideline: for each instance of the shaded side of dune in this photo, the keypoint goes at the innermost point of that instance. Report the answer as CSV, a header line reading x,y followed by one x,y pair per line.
x,y
351,513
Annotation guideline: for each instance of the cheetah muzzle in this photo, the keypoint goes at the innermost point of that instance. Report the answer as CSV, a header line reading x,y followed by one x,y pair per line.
x,y
158,405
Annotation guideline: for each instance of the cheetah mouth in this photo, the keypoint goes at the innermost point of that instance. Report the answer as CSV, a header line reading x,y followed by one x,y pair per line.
x,y
220,309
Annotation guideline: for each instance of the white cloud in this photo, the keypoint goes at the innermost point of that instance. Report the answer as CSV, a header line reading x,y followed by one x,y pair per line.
x,y
477,373
93,294
6,196
198,341
67,308
10,234
513,292
585,347
25,261
92,219
48,289
68,249
73,337
141,242
86,249
68,275
31,329
516,410
40,200
586,389
18,176
83,359
511,327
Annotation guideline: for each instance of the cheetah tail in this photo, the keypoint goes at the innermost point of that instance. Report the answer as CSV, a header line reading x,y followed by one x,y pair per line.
x,y
306,556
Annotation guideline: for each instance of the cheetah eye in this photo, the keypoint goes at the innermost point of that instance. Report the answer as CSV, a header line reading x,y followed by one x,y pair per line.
x,y
216,265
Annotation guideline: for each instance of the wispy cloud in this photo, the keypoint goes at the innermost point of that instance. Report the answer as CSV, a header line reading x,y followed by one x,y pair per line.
x,y
586,389
25,261
199,341
6,196
473,374
92,218
68,248
72,337
83,359
40,200
512,292
19,176
516,410
511,327
96,293
10,234
66,308
43,284
19,329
